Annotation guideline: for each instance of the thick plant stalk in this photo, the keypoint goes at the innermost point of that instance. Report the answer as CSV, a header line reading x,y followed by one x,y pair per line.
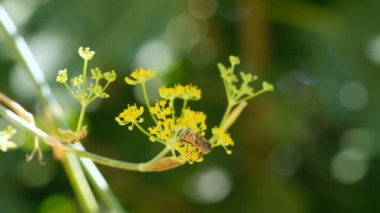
x,y
156,164
54,115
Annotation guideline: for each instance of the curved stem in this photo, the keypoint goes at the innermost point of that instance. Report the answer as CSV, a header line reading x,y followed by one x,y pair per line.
x,y
147,101
51,141
147,133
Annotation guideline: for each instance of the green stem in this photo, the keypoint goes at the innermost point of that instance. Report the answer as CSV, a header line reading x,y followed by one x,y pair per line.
x,y
233,116
84,73
141,167
147,101
51,108
253,95
142,129
147,133
227,112
70,90
184,106
72,162
79,151
81,117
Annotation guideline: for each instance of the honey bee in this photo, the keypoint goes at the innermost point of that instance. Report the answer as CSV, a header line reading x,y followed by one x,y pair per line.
x,y
190,136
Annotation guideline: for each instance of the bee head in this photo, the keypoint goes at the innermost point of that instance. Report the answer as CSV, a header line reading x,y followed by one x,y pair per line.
x,y
205,147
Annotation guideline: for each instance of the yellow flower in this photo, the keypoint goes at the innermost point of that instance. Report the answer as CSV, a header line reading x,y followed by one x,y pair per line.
x,y
193,120
5,135
62,76
188,153
168,93
110,76
160,110
163,130
165,124
140,75
168,126
86,53
77,81
267,87
222,139
187,92
130,115
234,60
96,73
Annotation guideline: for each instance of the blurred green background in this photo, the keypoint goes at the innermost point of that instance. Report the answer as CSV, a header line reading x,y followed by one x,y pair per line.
x,y
309,147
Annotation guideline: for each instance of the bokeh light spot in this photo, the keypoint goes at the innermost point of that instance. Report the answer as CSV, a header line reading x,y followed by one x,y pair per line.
x,y
373,50
21,85
183,32
359,140
35,175
154,54
348,167
57,203
210,186
353,96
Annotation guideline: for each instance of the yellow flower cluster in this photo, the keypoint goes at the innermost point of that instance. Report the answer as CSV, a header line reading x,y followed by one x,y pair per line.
x,y
267,86
86,53
130,115
193,120
183,132
239,89
140,75
160,110
188,153
5,135
168,128
222,139
187,92
234,60
83,92
165,122
86,93
62,76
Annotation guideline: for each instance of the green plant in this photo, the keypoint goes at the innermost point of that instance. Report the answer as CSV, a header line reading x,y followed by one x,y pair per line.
x,y
181,133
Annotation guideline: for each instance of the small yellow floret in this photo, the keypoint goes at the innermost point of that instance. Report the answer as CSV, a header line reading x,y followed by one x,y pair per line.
x,y
222,139
160,110
5,135
77,81
110,76
140,75
268,87
193,120
96,73
86,53
187,92
189,153
168,93
130,115
62,76
234,60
